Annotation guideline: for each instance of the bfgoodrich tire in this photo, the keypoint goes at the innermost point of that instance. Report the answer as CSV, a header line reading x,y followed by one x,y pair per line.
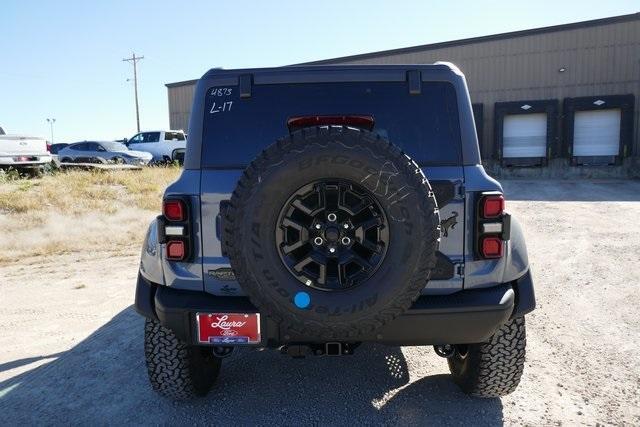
x,y
177,370
332,232
493,368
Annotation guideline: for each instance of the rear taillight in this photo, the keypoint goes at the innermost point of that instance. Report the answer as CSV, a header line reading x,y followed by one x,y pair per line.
x,y
491,247
492,226
175,250
48,148
492,206
174,210
175,229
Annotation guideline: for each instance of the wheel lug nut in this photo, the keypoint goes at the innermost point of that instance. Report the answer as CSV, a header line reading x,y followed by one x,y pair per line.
x,y
318,226
346,240
332,217
332,250
318,241
345,225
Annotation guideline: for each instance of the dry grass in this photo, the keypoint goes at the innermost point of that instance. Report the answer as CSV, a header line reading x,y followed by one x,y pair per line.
x,y
74,211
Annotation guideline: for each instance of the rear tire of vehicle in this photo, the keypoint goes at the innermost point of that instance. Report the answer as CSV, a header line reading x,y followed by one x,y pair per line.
x,y
178,370
494,368
175,158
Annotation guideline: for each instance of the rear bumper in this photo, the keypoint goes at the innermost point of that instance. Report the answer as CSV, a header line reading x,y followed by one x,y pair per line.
x,y
464,317
25,159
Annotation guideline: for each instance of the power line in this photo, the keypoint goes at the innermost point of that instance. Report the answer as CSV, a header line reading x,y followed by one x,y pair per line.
x,y
134,59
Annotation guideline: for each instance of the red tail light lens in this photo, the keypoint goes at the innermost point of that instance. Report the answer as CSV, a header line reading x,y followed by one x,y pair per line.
x,y
491,247
175,229
174,210
175,250
364,122
492,206
48,147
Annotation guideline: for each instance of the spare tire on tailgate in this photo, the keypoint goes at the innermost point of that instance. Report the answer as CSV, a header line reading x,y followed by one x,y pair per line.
x,y
332,232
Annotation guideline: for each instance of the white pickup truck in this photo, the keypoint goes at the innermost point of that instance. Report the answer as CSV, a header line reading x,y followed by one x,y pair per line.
x,y
23,152
163,145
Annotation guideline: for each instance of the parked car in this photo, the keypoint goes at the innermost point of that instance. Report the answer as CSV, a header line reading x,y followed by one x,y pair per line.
x,y
23,152
102,152
55,148
165,146
354,209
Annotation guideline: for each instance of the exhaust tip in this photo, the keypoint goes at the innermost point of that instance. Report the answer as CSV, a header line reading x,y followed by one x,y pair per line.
x,y
446,350
222,352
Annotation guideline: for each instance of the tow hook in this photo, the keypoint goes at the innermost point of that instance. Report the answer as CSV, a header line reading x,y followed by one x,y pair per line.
x,y
222,351
446,350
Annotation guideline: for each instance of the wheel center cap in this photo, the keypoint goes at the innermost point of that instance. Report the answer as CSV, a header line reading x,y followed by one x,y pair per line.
x,y
332,234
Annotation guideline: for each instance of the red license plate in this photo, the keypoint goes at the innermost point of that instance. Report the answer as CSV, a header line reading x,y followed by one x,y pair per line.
x,y
228,328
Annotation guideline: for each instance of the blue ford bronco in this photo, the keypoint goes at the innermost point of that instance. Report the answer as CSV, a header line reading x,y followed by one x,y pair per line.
x,y
322,207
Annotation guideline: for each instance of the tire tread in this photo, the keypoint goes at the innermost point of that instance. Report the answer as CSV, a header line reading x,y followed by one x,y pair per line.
x,y
174,368
494,368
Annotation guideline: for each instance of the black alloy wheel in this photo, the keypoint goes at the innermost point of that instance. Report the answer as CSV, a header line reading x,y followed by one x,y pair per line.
x,y
332,234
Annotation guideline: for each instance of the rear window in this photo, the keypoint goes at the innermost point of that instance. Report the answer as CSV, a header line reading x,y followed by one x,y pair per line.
x,y
425,126
57,147
150,137
174,136
114,146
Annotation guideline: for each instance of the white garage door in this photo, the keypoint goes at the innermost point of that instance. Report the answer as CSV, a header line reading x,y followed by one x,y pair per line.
x,y
597,133
525,135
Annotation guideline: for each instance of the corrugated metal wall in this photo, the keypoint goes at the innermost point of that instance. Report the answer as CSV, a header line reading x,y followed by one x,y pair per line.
x,y
180,100
603,60
599,60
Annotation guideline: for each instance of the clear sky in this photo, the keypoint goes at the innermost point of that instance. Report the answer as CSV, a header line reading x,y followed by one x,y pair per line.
x,y
63,59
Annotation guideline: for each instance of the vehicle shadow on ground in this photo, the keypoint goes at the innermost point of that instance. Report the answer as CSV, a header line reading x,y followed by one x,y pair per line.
x,y
26,361
572,190
103,379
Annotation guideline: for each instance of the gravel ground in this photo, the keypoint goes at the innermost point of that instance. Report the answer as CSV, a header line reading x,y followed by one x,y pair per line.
x,y
71,344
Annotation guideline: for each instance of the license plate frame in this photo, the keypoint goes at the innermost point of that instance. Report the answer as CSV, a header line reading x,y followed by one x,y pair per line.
x,y
228,328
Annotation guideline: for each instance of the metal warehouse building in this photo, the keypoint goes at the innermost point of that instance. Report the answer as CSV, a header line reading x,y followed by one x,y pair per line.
x,y
549,101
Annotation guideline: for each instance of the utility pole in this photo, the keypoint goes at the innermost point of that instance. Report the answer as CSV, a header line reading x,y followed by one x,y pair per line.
x,y
51,122
134,59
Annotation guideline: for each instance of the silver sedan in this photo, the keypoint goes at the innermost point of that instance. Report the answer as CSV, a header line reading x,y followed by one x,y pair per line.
x,y
102,152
